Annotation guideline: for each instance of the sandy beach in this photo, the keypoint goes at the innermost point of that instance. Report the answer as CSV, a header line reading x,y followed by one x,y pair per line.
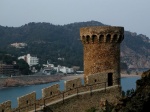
x,y
12,82
82,75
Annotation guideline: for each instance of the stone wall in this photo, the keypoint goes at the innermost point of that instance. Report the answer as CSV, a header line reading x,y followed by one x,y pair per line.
x,y
71,84
50,91
5,107
52,94
101,47
83,102
26,100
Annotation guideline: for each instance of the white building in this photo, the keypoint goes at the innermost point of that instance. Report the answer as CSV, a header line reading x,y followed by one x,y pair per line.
x,y
29,59
64,69
18,45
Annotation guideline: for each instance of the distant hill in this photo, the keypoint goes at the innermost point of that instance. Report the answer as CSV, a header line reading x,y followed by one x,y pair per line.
x,y
50,42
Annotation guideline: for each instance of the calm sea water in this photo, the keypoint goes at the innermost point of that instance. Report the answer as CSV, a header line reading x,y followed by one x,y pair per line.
x,y
13,92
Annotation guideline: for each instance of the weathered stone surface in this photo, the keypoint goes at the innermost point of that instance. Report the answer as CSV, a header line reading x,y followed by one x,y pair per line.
x,y
51,91
86,101
102,50
5,107
27,100
71,84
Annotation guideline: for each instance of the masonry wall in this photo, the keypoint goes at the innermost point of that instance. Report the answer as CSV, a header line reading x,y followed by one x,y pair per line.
x,y
101,47
73,88
27,101
83,102
50,91
5,107
71,84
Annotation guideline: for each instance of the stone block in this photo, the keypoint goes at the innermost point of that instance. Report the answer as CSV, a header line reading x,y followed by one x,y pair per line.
x,y
72,84
27,100
51,91
5,106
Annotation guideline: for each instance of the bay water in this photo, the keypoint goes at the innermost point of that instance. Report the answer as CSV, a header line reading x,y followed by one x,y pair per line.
x,y
12,93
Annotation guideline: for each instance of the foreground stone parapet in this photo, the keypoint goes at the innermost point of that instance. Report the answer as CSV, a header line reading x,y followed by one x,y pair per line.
x,y
27,100
50,91
71,84
5,107
101,46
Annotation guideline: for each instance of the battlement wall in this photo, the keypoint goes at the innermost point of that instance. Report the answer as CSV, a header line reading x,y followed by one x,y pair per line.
x,y
5,107
100,34
54,94
101,46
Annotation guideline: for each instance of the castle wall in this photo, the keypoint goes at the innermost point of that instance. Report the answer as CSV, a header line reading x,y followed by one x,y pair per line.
x,y
5,107
83,102
100,58
73,89
101,47
50,91
71,84
27,101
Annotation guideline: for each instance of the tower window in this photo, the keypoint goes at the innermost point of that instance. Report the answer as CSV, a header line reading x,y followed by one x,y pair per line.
x,y
101,38
27,101
73,85
83,38
120,38
87,38
93,38
108,37
51,93
114,38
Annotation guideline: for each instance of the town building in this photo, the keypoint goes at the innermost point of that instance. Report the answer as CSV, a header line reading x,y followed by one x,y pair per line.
x,y
18,45
64,69
29,59
6,70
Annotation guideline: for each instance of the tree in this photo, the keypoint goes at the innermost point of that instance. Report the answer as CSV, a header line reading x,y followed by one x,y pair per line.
x,y
23,67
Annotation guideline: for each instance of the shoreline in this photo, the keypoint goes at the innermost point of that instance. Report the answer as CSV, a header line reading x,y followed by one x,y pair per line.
x,y
21,83
82,76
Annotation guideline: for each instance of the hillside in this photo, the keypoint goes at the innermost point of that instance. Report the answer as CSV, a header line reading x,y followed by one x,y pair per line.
x,y
50,42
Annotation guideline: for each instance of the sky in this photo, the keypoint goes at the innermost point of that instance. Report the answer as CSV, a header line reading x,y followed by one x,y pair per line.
x,y
133,15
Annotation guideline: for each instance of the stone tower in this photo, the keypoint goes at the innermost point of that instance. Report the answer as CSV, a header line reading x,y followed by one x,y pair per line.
x,y
101,45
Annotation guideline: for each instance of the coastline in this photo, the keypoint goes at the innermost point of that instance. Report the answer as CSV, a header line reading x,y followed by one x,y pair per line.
x,y
34,80
82,76
27,81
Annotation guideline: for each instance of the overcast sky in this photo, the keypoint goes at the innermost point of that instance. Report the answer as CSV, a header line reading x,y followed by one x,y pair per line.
x,y
133,15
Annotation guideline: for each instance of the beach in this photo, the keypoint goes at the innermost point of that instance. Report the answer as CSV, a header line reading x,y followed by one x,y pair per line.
x,y
32,80
69,77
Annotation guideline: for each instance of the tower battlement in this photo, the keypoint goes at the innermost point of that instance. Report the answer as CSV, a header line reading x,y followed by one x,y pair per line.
x,y
101,34
101,46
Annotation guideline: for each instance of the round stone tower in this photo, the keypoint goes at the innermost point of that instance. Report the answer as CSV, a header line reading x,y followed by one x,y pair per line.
x,y
101,46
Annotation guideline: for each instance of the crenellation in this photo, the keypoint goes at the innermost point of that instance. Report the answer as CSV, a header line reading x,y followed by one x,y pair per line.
x,y
27,99
104,54
51,91
71,84
5,107
96,78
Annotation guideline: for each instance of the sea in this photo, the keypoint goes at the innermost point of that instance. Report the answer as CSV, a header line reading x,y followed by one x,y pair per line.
x,y
12,93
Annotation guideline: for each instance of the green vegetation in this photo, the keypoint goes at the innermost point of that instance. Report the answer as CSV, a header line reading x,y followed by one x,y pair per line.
x,y
48,41
20,65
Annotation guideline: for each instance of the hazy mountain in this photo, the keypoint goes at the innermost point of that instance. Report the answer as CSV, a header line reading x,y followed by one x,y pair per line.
x,y
50,42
